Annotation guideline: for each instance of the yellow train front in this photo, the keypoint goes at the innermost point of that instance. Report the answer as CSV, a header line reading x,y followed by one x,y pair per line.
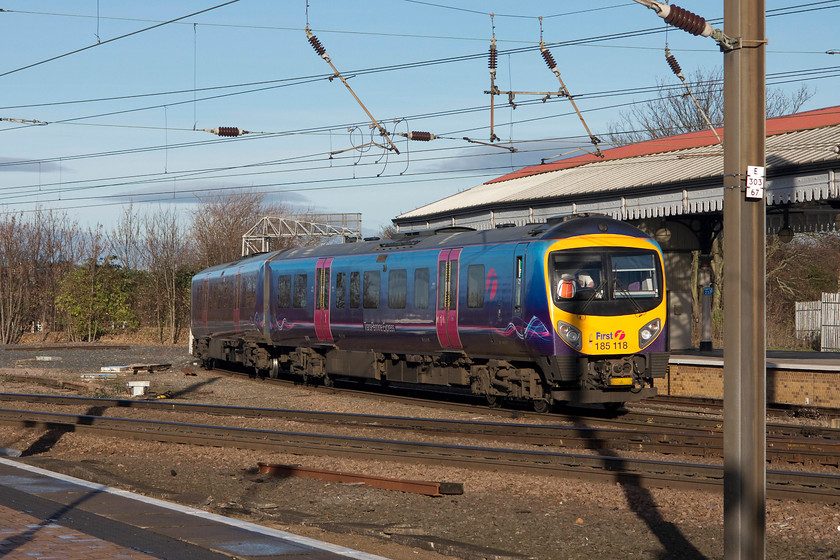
x,y
606,286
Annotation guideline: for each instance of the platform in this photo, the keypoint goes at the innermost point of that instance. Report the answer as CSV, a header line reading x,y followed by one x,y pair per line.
x,y
776,359
51,515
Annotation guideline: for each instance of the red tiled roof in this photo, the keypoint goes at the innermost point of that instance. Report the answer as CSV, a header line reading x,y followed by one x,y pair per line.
x,y
779,125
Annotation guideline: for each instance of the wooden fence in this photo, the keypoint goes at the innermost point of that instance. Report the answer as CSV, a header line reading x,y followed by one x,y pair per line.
x,y
820,320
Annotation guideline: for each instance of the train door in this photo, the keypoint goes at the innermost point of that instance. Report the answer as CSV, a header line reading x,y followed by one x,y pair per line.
x,y
519,279
447,299
322,300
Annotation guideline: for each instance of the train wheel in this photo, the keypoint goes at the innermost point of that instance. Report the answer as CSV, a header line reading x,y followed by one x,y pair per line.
x,y
493,401
328,382
274,368
541,406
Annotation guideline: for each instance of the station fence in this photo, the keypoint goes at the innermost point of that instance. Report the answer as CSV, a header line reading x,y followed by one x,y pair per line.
x,y
820,321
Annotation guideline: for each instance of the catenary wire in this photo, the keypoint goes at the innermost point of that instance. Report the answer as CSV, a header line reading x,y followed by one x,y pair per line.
x,y
100,43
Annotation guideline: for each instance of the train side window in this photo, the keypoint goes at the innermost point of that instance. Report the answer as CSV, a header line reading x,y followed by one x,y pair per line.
x,y
215,301
199,298
249,292
517,285
284,291
370,289
397,284
355,290
300,291
421,288
340,289
227,293
475,286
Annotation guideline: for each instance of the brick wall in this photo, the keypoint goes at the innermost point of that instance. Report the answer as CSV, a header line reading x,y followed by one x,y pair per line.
x,y
785,386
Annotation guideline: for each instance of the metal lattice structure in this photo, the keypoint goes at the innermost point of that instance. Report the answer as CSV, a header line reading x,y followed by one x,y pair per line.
x,y
259,238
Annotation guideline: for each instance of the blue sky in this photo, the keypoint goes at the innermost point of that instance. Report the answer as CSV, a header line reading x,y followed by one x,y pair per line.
x,y
125,116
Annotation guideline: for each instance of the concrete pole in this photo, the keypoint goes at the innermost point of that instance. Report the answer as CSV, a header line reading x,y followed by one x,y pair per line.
x,y
744,439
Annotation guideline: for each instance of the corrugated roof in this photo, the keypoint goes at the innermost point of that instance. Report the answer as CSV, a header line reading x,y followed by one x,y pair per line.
x,y
666,176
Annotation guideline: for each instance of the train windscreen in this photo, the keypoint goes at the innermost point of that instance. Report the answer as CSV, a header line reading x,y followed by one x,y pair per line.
x,y
606,281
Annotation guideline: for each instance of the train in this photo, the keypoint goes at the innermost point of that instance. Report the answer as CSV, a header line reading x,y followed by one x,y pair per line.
x,y
572,310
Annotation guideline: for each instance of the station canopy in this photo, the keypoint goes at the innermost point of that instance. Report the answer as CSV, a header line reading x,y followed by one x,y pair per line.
x,y
673,176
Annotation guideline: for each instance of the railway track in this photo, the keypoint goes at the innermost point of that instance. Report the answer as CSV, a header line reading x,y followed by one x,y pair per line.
x,y
815,446
605,464
633,417
604,467
715,407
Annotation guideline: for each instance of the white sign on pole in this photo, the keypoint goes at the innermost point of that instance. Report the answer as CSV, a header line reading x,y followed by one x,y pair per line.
x,y
755,181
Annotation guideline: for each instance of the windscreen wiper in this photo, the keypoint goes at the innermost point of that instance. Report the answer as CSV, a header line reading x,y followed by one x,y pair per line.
x,y
597,289
619,286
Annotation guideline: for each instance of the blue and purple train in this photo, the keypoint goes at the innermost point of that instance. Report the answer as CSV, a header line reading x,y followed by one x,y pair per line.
x,y
571,310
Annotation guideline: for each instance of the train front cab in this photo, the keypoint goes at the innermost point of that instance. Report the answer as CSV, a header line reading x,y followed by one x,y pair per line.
x,y
608,309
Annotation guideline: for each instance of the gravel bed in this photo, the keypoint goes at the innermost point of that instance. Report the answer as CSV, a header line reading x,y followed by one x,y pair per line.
x,y
500,515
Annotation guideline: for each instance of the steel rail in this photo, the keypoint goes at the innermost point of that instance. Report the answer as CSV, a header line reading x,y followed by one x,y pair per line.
x,y
646,437
715,406
629,418
637,421
605,467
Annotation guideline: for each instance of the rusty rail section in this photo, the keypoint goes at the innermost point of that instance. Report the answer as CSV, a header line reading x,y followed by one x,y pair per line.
x,y
604,467
413,486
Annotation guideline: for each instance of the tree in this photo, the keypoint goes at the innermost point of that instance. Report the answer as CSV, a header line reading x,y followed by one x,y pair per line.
x,y
674,112
798,271
165,260
17,270
96,293
388,232
220,221
35,251
125,239
93,297
55,254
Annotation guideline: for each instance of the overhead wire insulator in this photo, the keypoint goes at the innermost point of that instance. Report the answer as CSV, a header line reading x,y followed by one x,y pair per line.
x,y
549,59
420,136
316,44
680,18
687,21
493,59
690,22
229,131
552,64
675,66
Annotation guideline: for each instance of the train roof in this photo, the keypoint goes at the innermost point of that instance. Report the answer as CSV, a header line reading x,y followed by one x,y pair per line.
x,y
559,227
554,228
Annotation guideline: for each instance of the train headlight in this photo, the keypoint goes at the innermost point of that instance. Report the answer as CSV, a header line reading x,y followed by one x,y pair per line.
x,y
649,332
570,335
